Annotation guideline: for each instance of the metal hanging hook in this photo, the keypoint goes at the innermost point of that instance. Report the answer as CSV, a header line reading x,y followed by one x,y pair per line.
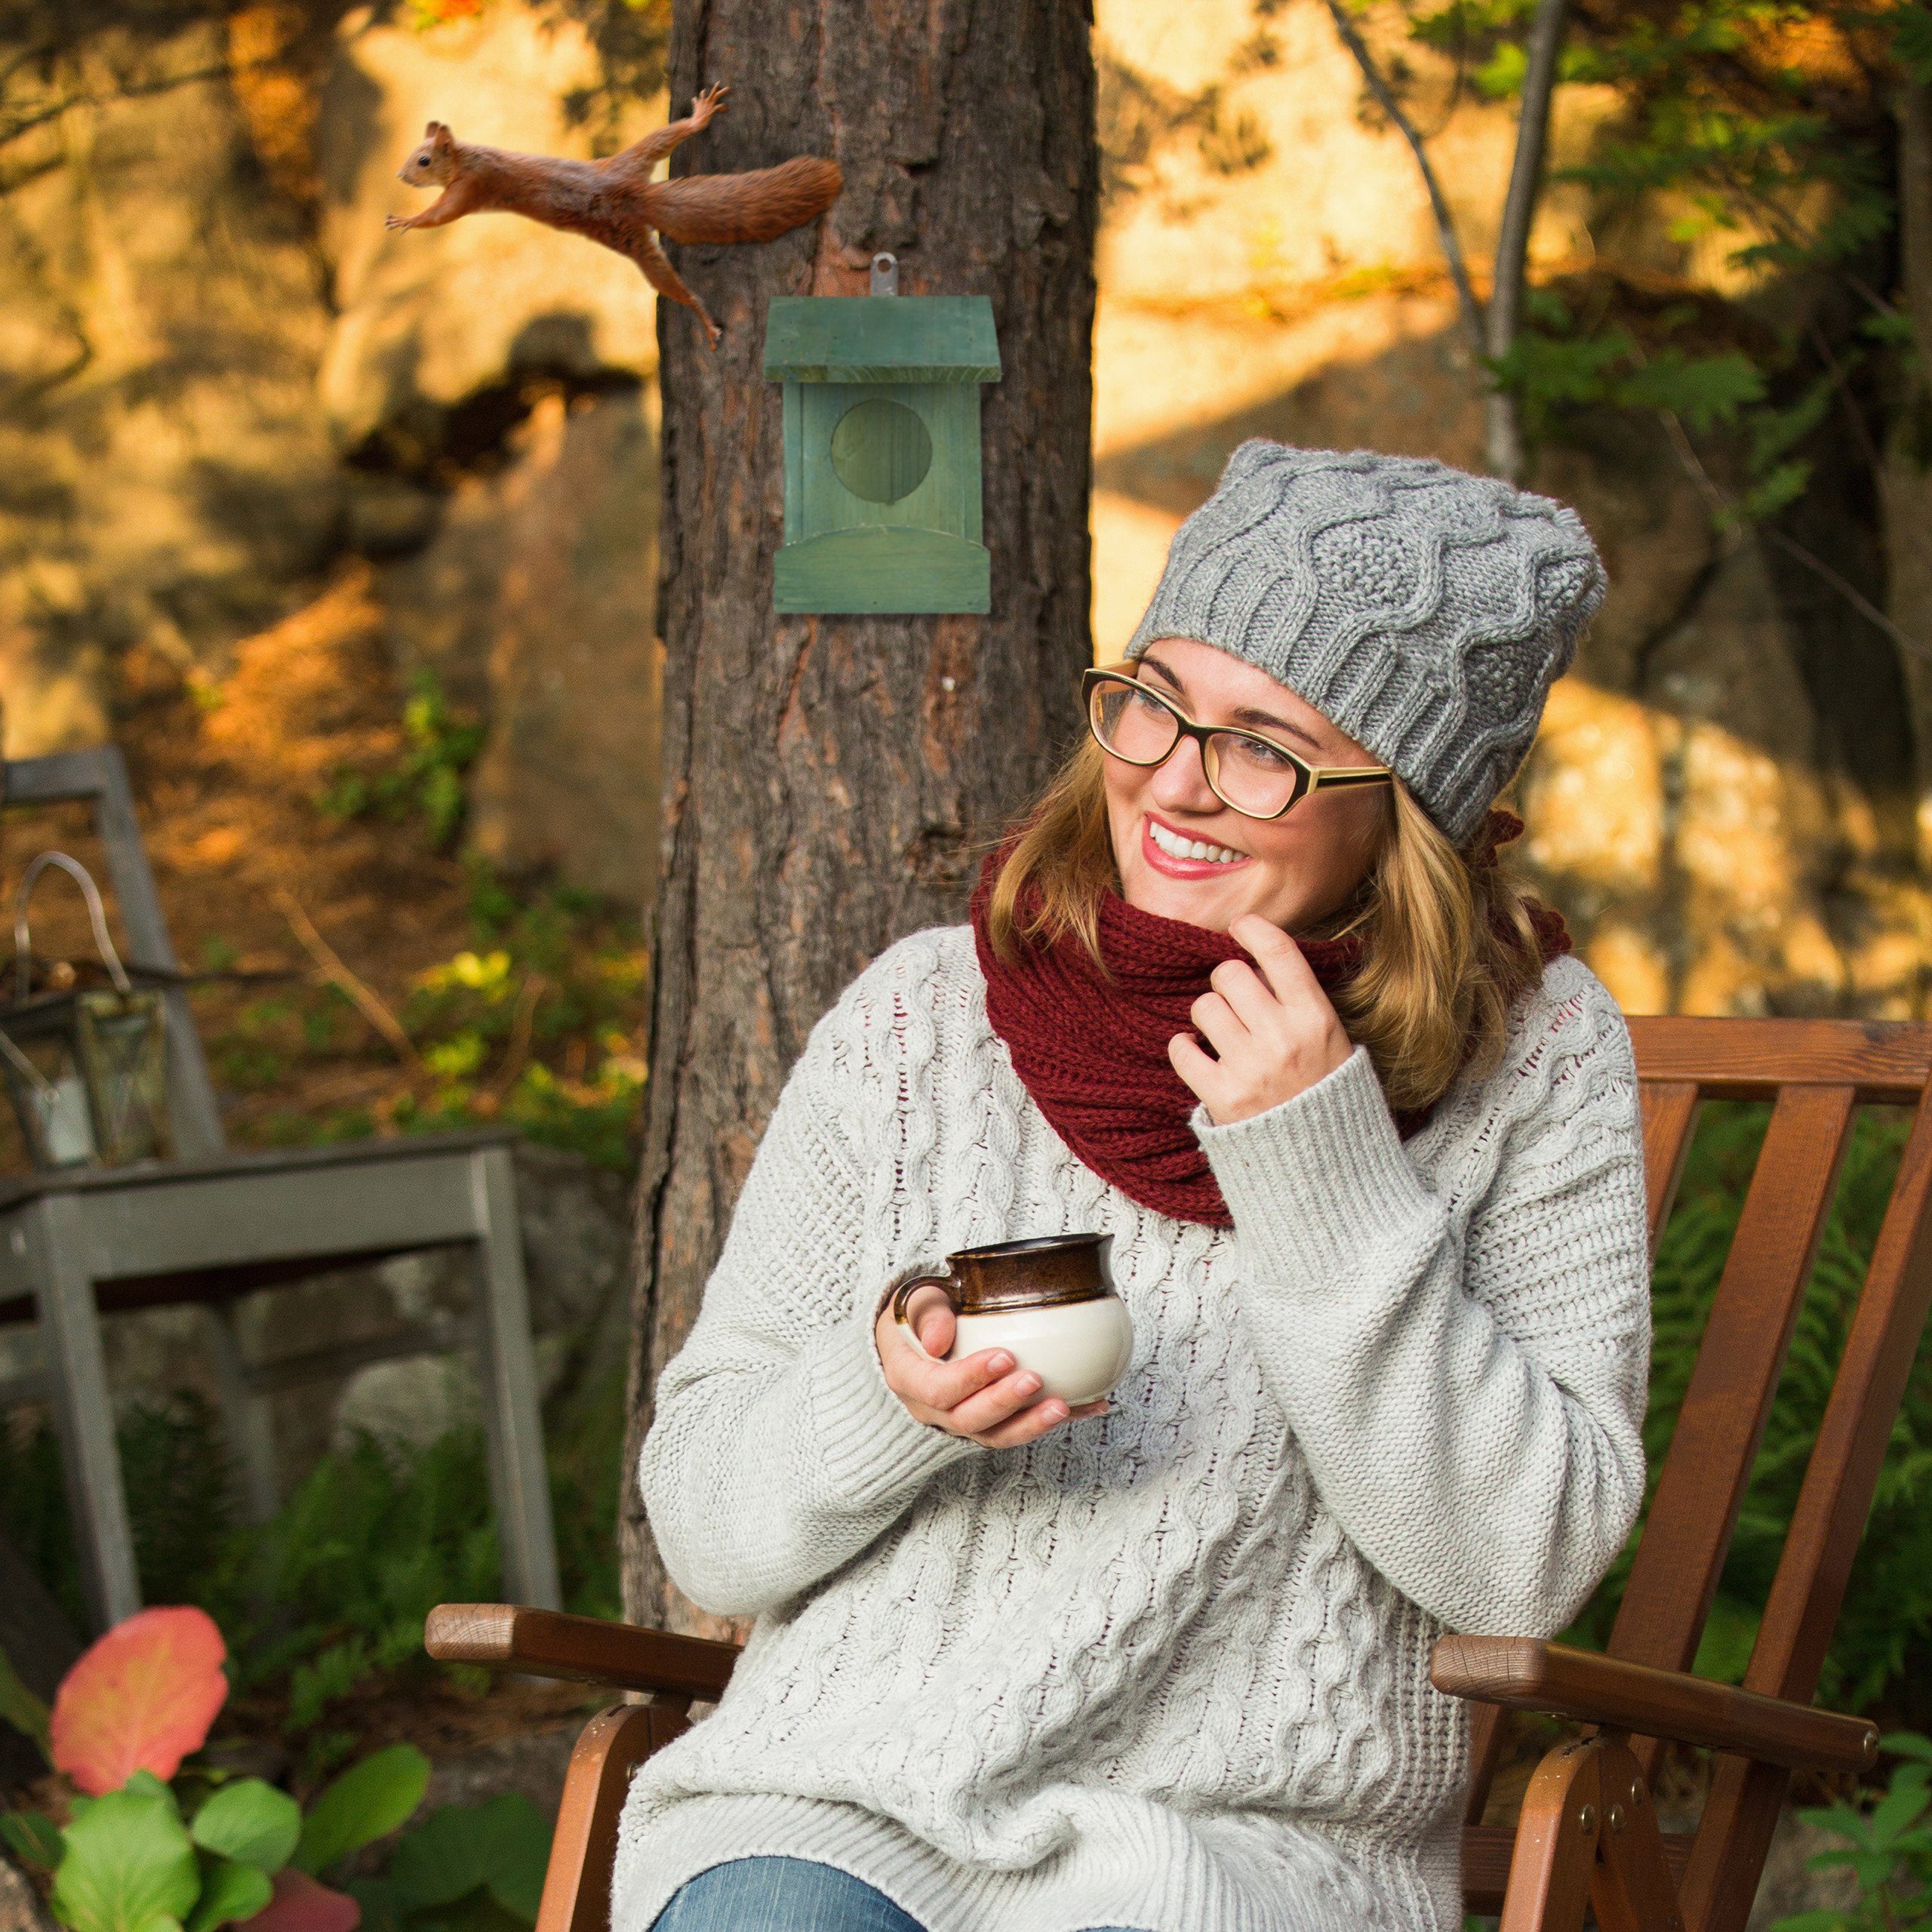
x,y
96,916
885,274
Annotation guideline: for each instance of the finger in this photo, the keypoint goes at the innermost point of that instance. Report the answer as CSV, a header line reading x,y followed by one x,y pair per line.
x,y
1200,1071
1031,1424
1217,1022
1040,1419
995,1404
1249,996
942,1386
1281,962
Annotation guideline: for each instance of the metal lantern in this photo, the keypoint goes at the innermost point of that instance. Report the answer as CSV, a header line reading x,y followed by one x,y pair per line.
x,y
87,1070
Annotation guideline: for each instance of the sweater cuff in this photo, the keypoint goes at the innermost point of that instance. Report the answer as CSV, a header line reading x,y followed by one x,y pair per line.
x,y
870,1447
1310,1181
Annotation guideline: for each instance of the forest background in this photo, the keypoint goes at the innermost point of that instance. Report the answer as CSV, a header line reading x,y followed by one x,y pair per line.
x,y
350,538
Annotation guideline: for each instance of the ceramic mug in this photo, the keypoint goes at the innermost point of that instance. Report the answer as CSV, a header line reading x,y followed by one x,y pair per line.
x,y
1047,1301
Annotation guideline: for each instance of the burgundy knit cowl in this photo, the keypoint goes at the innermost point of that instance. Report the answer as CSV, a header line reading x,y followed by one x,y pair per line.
x,y
1092,1052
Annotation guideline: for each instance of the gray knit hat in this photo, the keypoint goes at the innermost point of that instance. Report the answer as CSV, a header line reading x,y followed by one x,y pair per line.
x,y
1424,610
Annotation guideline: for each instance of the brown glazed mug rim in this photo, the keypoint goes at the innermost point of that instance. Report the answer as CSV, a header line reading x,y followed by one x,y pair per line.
x,y
1084,1276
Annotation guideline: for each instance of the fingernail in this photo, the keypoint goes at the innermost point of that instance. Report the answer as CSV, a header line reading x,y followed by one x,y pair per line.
x,y
1027,1384
1000,1364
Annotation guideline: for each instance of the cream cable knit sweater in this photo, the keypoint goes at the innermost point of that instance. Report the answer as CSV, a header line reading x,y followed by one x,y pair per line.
x,y
1168,1669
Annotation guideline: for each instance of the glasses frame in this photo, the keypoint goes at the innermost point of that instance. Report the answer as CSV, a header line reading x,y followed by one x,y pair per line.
x,y
1309,778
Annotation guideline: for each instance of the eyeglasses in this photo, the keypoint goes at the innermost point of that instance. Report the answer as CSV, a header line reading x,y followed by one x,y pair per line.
x,y
1252,775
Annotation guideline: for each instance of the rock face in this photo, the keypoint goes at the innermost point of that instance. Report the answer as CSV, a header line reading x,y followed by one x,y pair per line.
x,y
224,376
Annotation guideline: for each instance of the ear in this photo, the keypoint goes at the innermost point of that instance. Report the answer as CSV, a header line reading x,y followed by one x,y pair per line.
x,y
442,140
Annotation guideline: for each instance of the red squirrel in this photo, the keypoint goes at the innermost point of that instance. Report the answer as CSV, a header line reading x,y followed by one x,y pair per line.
x,y
616,201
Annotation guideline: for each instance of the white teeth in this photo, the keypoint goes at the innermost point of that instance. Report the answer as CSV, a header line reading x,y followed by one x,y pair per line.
x,y
1172,843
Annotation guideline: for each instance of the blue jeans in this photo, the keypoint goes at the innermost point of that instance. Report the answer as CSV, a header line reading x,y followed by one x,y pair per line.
x,y
783,1895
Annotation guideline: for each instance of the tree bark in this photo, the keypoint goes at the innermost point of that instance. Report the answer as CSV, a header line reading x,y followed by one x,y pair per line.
x,y
826,778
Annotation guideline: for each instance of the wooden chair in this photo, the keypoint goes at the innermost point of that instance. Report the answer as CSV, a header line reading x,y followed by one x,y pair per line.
x,y
1587,1834
211,1225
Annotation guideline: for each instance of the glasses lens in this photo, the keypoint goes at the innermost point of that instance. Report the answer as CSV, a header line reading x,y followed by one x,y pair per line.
x,y
1252,775
1131,725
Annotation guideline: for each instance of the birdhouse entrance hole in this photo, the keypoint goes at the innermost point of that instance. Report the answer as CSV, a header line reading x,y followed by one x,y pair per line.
x,y
880,450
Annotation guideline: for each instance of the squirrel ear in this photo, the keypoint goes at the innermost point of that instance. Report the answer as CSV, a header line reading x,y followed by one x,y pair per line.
x,y
440,136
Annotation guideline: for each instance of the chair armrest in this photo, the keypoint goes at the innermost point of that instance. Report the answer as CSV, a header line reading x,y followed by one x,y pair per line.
x,y
1532,1674
587,1649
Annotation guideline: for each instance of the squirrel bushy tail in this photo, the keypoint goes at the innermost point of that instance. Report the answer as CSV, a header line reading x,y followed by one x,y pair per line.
x,y
755,206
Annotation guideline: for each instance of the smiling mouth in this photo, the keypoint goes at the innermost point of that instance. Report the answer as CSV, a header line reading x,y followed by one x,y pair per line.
x,y
1191,851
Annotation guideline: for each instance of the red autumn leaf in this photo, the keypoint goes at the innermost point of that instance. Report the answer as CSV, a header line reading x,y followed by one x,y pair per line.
x,y
300,1905
139,1700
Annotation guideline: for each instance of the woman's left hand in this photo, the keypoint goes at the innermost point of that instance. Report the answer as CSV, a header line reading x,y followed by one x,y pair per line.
x,y
1273,1031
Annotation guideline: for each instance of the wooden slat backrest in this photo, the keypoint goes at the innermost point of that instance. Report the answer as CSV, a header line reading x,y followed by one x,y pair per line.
x,y
1816,1073
98,777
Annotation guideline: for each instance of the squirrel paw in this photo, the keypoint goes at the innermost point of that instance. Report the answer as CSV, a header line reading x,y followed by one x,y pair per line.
x,y
395,221
710,102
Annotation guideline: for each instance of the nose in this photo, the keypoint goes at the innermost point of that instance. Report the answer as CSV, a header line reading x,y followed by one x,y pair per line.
x,y
1179,781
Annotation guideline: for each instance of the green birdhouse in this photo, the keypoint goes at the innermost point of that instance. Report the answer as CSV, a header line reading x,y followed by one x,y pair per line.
x,y
881,450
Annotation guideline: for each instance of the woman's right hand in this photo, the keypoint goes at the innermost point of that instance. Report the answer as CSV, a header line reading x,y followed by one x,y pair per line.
x,y
984,1397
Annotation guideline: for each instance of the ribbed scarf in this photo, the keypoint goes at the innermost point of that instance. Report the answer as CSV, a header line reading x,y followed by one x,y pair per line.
x,y
1093,1051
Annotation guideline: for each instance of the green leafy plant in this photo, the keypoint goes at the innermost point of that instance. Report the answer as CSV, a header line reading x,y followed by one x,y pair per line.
x,y
426,781
328,1598
1886,1844
151,1843
147,1846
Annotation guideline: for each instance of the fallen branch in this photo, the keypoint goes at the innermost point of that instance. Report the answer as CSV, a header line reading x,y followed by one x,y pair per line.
x,y
516,1053
362,997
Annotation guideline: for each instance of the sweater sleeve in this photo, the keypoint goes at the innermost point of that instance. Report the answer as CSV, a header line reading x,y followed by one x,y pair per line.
x,y
776,1451
1470,1400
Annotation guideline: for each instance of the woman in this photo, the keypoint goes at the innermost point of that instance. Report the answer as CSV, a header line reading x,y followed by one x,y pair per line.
x,y
1365,1137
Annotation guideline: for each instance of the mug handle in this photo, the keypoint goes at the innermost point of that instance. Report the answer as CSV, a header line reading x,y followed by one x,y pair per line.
x,y
945,1283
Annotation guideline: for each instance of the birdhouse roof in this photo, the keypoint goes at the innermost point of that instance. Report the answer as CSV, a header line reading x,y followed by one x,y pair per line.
x,y
881,339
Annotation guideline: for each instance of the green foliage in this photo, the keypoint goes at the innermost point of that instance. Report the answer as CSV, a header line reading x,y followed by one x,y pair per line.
x,y
147,1858
375,1798
471,1867
327,1599
1762,134
1888,1604
1888,1845
20,1708
1554,367
249,1822
425,782
332,1592
32,1837
536,1025
127,1864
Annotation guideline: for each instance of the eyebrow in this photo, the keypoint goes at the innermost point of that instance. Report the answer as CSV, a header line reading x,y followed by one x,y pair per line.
x,y
1247,714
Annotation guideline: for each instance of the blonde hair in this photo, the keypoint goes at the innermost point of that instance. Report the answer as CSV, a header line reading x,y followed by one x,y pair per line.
x,y
1448,944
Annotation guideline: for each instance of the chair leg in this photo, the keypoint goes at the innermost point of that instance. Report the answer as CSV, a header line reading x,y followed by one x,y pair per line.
x,y
244,1414
1633,1891
83,1414
576,1883
518,1478
1556,1840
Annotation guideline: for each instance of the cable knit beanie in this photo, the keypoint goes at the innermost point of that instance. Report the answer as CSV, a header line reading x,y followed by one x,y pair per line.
x,y
1424,610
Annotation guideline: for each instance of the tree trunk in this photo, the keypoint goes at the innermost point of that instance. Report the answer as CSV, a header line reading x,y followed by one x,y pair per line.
x,y
1503,427
826,778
